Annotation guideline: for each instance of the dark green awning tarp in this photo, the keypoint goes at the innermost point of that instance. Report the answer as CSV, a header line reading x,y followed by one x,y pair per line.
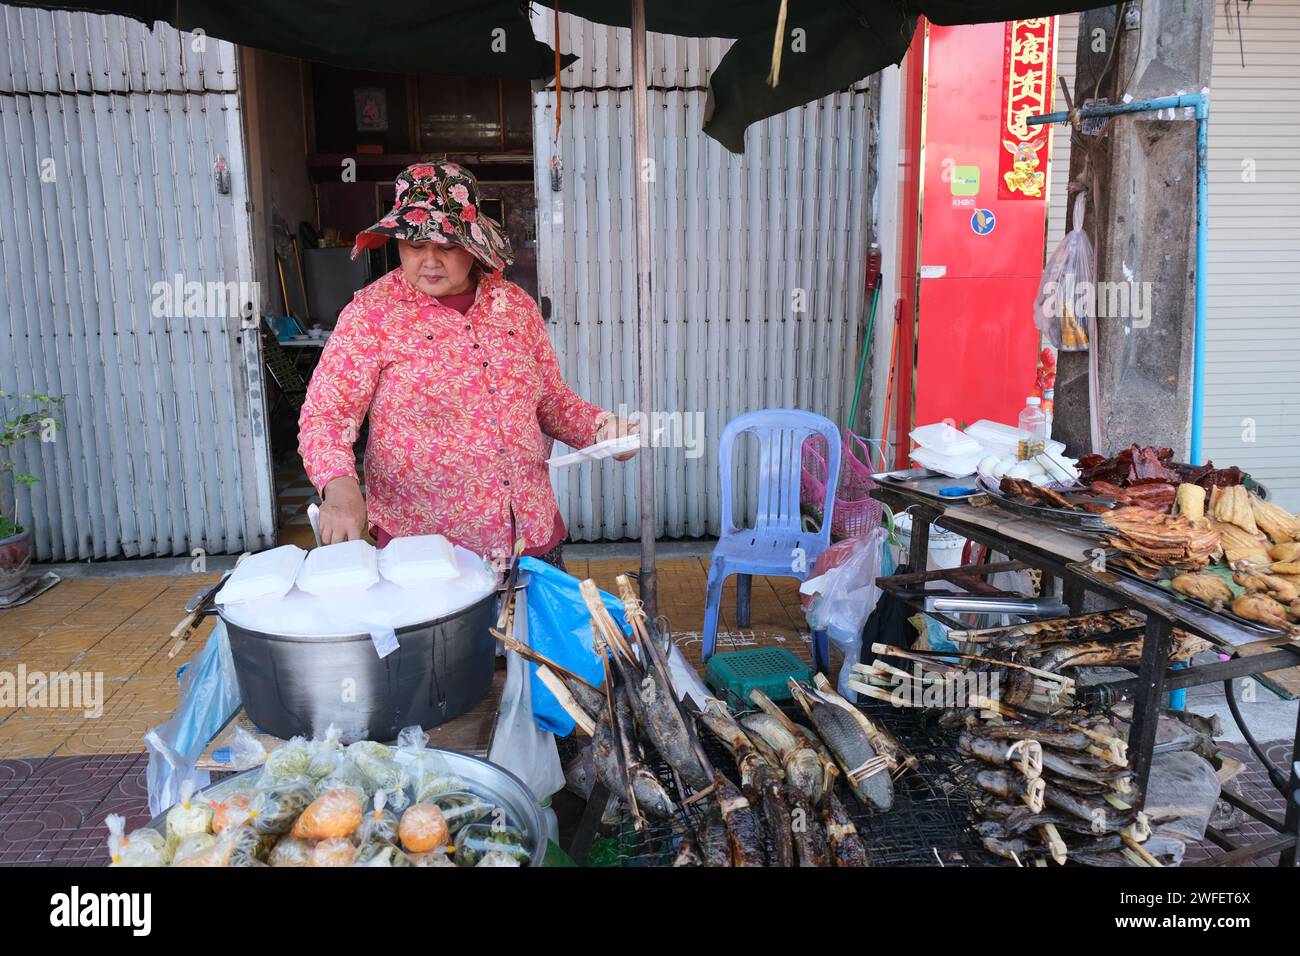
x,y
846,39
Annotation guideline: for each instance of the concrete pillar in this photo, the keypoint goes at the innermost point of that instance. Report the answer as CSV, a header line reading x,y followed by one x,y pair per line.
x,y
1141,217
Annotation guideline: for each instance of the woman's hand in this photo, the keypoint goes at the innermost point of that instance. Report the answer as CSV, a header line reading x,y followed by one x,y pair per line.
x,y
610,426
342,512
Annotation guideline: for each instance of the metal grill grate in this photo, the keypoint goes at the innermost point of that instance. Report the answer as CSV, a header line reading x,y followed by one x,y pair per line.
x,y
930,823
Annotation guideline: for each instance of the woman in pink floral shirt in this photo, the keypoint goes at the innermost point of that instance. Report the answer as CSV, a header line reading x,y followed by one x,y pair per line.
x,y
453,365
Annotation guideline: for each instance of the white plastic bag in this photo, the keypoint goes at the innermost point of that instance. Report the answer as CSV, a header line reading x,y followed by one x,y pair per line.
x,y
846,596
1065,309
517,743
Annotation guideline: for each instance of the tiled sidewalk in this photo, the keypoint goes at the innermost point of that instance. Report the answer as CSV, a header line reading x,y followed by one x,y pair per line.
x,y
62,772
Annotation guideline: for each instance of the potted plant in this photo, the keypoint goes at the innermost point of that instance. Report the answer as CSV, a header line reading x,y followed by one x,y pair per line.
x,y
37,422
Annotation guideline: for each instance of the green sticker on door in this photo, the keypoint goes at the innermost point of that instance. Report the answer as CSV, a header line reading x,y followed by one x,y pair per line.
x,y
965,180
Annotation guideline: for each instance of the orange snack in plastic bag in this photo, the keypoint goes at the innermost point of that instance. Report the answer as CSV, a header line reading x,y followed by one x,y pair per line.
x,y
335,813
336,851
422,828
231,811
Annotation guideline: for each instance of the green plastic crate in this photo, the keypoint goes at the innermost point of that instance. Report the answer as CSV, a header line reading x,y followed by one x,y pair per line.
x,y
735,674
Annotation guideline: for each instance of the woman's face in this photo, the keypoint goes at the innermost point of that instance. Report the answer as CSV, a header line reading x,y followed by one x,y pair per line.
x,y
436,268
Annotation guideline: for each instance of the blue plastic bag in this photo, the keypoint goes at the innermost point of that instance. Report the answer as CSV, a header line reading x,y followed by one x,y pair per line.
x,y
209,697
559,628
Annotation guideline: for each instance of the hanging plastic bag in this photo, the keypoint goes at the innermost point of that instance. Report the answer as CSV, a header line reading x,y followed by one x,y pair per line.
x,y
1065,309
845,597
209,697
519,744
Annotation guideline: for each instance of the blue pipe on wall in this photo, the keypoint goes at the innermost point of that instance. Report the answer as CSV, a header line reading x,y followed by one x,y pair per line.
x,y
1200,103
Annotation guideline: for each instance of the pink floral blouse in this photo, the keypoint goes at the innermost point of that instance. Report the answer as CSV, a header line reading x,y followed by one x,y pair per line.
x,y
460,407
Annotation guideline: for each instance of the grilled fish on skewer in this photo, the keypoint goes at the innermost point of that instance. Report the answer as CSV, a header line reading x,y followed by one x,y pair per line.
x,y
744,837
1057,629
758,779
810,839
688,853
1065,768
803,767
1025,755
657,714
651,797
867,772
847,848
715,843
1012,786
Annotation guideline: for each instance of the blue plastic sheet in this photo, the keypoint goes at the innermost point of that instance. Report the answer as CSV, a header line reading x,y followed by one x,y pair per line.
x,y
559,628
209,697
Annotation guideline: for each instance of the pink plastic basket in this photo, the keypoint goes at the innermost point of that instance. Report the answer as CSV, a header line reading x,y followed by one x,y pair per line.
x,y
856,512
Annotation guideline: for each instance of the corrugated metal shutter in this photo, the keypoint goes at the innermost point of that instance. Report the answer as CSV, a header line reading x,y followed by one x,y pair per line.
x,y
1252,404
110,134
733,238
1067,48
1252,395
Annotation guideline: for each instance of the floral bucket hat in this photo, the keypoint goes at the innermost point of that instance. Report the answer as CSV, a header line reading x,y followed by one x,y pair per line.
x,y
439,202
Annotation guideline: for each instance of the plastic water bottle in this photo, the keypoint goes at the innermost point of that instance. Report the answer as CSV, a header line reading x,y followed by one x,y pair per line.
x,y
1034,424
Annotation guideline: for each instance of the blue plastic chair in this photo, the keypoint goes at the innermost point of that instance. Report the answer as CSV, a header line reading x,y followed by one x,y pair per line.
x,y
777,545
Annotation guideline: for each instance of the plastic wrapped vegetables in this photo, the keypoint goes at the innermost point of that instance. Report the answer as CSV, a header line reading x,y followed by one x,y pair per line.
x,y
336,851
290,760
432,777
460,808
204,849
376,761
438,857
499,858
422,828
379,825
290,851
478,839
333,814
188,816
234,810
144,847
326,754
277,806
380,854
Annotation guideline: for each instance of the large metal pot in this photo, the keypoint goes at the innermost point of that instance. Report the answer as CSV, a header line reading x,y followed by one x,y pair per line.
x,y
295,685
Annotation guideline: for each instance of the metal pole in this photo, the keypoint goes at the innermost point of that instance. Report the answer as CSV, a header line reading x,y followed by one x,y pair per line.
x,y
645,329
1200,104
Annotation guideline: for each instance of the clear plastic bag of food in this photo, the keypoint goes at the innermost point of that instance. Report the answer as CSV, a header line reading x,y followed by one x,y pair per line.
x,y
380,854
336,813
1065,309
143,847
289,760
376,761
478,839
432,776
422,828
460,808
192,850
277,805
380,824
326,754
189,816
499,858
336,851
290,851
251,848
232,810
412,738
347,775
438,857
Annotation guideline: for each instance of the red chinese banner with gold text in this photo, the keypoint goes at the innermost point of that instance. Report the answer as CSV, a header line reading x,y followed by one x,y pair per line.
x,y
1026,91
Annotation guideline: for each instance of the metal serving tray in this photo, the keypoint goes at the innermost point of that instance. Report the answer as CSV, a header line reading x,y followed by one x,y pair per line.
x,y
1080,522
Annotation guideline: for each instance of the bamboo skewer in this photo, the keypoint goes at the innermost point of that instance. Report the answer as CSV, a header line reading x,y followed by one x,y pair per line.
x,y
1055,845
923,657
638,822
604,624
566,700
526,652
1140,850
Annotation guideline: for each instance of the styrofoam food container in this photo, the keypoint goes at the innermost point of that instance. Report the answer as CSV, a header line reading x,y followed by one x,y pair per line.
x,y
953,466
1005,440
268,574
346,566
945,439
418,560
